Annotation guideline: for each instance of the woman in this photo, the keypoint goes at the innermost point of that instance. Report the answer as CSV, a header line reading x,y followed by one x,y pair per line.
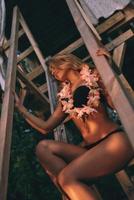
x,y
105,148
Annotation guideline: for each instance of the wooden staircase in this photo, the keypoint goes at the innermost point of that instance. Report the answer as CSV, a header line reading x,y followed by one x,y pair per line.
x,y
120,23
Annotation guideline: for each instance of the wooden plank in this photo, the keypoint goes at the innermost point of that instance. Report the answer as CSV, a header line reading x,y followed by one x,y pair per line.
x,y
117,57
59,132
118,54
8,108
131,162
129,16
98,196
32,41
43,88
110,46
126,184
25,54
72,47
110,22
115,19
119,40
7,44
111,81
38,53
31,85
35,72
87,20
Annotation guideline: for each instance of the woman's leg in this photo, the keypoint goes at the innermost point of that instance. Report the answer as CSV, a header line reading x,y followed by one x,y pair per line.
x,y
54,155
107,157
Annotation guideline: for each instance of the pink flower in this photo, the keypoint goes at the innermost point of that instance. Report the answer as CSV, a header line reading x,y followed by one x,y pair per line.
x,y
90,78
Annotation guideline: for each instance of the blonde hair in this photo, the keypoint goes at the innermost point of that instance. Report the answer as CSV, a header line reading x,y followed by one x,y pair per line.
x,y
66,61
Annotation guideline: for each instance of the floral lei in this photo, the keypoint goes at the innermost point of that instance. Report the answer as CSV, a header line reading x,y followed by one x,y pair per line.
x,y
90,79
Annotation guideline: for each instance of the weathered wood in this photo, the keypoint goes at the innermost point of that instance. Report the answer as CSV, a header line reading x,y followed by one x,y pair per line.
x,y
111,22
131,163
118,59
25,54
126,184
32,41
98,196
35,72
59,132
87,20
110,46
103,27
118,54
119,40
7,43
37,51
72,47
35,89
43,88
129,16
7,109
111,81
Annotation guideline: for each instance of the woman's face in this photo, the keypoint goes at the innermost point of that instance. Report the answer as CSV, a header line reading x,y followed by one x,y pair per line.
x,y
59,73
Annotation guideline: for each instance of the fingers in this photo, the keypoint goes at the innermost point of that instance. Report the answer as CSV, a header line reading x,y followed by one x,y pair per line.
x,y
102,51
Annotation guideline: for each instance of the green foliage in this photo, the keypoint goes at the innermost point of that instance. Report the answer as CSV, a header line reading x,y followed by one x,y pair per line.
x,y
27,180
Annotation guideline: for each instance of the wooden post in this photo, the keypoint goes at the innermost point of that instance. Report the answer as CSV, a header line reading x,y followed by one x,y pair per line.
x,y
7,109
126,184
122,103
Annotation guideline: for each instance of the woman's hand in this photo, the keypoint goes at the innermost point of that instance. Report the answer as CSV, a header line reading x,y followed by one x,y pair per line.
x,y
18,104
103,52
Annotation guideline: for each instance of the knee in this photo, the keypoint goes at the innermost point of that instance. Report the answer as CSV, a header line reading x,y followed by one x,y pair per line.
x,y
65,178
42,148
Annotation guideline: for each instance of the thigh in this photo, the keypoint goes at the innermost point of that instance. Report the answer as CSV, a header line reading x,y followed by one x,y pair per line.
x,y
66,151
107,157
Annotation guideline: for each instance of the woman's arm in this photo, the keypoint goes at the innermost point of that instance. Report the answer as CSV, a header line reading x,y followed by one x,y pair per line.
x,y
43,126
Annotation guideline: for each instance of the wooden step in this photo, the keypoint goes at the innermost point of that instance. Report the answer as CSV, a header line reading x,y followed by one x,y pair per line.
x,y
110,22
35,72
25,53
32,86
43,88
7,43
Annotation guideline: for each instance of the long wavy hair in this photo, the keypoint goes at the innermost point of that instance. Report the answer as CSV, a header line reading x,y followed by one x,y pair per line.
x,y
65,61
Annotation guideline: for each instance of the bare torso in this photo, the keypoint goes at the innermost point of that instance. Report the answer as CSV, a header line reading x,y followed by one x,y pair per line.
x,y
95,127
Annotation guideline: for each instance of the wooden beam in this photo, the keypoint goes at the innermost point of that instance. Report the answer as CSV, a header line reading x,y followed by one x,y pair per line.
x,y
118,54
25,54
43,88
110,22
111,81
32,41
31,85
72,47
126,184
129,16
103,27
119,40
8,108
7,44
110,46
35,72
38,53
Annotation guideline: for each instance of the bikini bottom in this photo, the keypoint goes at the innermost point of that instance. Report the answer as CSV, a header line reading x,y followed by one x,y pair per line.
x,y
89,146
